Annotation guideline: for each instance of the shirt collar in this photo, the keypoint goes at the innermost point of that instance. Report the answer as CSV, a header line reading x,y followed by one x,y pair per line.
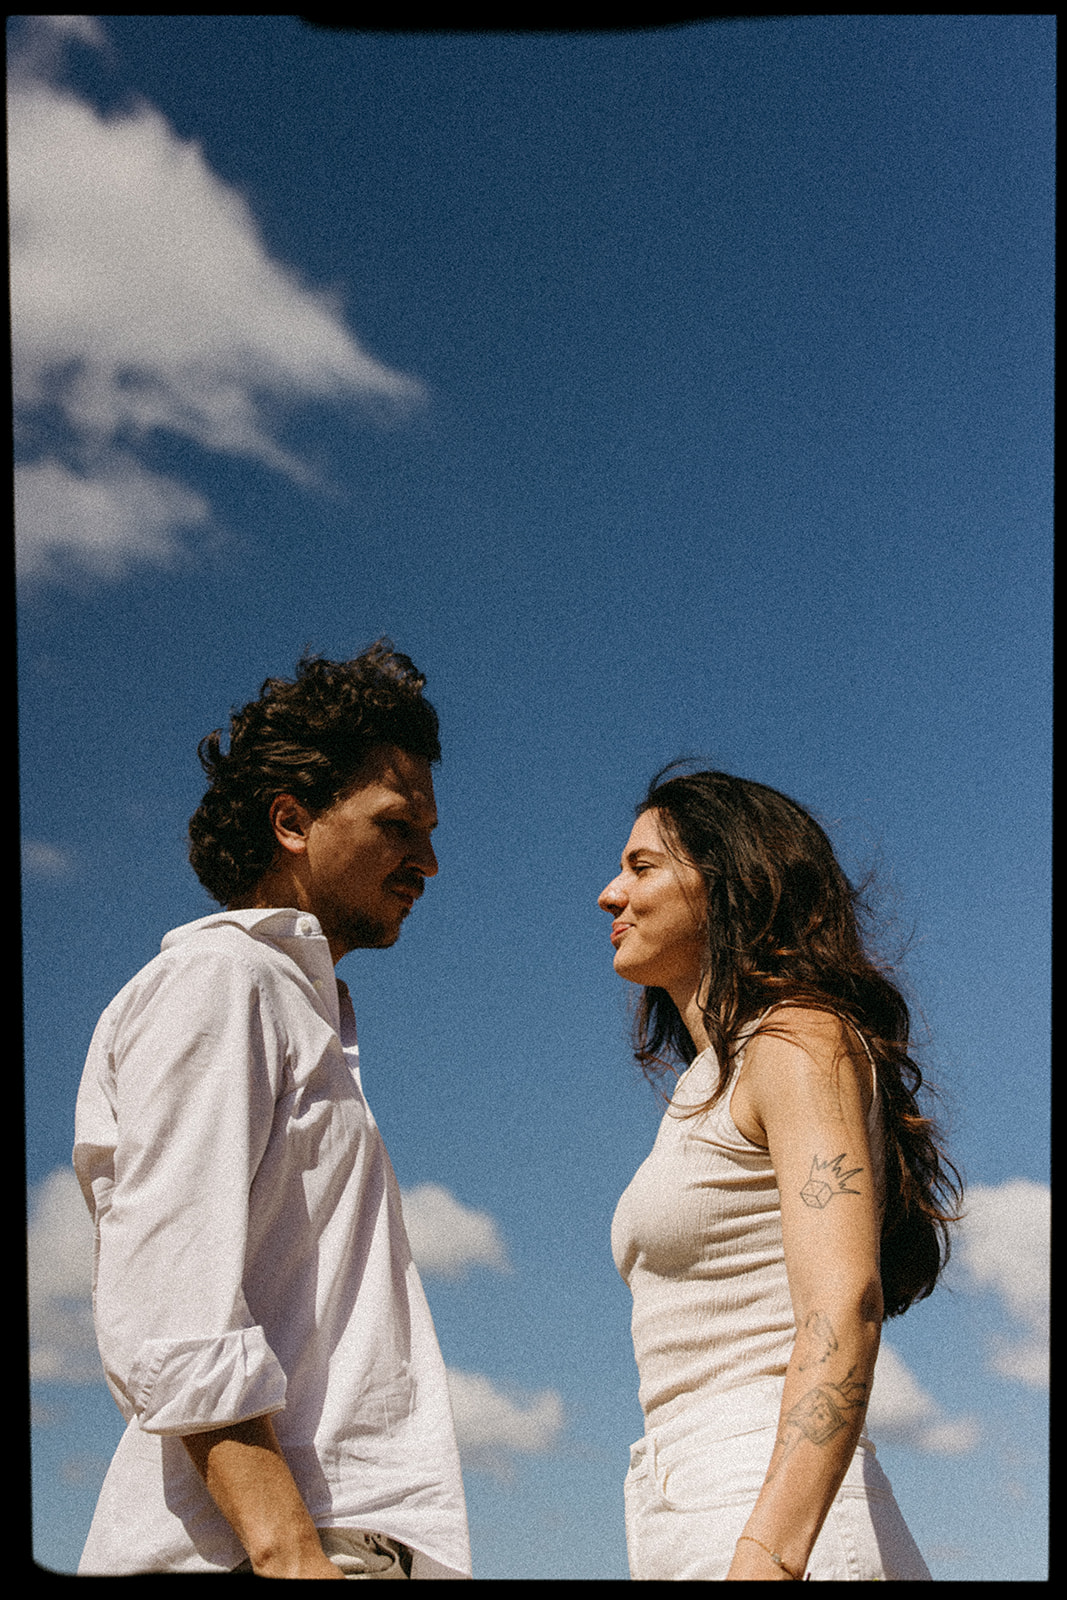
x,y
270,922
297,933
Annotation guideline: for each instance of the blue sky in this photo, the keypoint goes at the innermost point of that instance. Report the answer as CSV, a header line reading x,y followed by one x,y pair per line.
x,y
678,392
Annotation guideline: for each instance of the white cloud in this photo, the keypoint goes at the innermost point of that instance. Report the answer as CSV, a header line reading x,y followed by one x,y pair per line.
x,y
144,298
901,1410
1004,1245
85,29
106,517
447,1237
1004,1242
40,44
491,1425
60,1261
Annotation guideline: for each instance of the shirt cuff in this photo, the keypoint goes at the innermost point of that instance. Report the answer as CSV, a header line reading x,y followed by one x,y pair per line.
x,y
181,1386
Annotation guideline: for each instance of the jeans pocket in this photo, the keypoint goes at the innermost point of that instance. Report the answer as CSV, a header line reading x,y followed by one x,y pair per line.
x,y
701,1471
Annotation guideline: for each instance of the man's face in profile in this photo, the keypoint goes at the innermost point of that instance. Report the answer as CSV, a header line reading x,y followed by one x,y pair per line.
x,y
370,853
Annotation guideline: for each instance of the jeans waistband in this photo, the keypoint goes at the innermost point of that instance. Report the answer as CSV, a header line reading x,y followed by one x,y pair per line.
x,y
725,1413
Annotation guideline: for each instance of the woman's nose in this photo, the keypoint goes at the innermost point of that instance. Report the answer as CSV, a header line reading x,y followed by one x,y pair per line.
x,y
610,898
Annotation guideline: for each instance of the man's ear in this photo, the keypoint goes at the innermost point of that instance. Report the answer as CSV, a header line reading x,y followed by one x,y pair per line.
x,y
291,823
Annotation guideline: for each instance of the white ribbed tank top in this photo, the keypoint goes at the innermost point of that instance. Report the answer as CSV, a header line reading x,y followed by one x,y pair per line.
x,y
697,1237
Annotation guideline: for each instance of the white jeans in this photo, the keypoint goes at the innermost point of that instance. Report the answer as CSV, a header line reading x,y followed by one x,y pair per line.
x,y
692,1485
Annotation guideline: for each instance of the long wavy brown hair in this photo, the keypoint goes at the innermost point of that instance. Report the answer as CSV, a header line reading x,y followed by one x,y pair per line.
x,y
784,924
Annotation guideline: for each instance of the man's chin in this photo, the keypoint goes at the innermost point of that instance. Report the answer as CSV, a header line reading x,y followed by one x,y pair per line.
x,y
369,935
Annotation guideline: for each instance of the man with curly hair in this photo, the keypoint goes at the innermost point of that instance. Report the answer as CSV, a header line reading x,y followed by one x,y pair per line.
x,y
260,1319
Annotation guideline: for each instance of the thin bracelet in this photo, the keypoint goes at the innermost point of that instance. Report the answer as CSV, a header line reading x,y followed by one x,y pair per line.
x,y
775,1557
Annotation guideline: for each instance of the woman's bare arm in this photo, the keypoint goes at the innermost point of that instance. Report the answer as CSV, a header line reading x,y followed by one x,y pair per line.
x,y
805,1094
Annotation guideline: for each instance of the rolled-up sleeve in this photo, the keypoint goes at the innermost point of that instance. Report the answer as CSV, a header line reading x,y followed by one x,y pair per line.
x,y
186,1385
191,1074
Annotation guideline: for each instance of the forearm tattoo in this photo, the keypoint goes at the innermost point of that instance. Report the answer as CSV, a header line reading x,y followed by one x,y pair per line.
x,y
819,1341
827,1179
819,1416
824,1410
821,1413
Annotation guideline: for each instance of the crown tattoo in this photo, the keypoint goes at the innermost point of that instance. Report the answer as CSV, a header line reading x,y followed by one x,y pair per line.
x,y
826,1180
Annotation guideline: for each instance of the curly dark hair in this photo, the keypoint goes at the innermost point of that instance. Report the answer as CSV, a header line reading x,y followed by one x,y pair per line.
x,y
784,924
308,738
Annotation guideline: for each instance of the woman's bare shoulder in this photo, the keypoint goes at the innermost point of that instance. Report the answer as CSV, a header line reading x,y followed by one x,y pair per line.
x,y
807,1027
797,1044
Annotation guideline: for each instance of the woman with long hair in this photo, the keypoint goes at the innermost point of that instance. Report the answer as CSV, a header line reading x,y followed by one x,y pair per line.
x,y
794,1198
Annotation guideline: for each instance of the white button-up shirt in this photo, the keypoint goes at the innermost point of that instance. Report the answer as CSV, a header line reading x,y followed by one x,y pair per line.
x,y
251,1256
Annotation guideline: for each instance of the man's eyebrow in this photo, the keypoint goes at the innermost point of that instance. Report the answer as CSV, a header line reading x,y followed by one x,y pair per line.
x,y
401,810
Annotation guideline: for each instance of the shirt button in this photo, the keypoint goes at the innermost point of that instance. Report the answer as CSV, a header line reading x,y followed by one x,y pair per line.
x,y
305,926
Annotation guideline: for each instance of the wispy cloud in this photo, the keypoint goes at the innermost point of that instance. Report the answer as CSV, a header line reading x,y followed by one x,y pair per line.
x,y
60,1251
902,1411
87,29
43,860
447,1237
1005,1246
144,300
107,514
492,1426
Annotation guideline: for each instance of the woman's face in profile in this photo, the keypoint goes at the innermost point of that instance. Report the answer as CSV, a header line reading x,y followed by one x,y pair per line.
x,y
657,907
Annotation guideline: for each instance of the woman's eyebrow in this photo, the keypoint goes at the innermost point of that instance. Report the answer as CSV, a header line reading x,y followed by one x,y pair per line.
x,y
632,855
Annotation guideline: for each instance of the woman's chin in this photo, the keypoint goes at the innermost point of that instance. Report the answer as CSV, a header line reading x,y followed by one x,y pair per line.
x,y
630,970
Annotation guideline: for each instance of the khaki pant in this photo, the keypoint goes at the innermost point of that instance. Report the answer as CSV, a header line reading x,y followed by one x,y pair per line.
x,y
359,1555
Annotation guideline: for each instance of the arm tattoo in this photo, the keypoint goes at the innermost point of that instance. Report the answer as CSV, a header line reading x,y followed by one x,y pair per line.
x,y
820,1341
822,1412
818,1416
827,1179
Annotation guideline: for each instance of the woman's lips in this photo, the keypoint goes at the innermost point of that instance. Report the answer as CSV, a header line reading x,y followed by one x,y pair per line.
x,y
618,929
